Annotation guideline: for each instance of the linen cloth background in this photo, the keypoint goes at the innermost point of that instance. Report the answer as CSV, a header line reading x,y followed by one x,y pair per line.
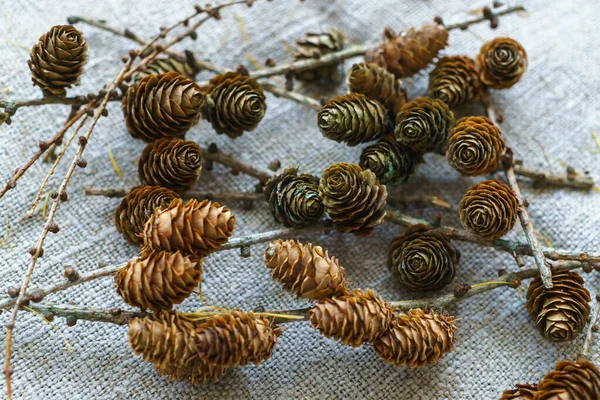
x,y
556,106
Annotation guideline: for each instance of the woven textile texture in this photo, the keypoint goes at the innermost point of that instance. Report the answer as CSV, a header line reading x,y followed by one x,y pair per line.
x,y
549,117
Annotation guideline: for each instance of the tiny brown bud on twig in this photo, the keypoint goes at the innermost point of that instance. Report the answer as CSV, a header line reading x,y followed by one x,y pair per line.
x,y
501,272
494,21
53,227
12,292
526,203
438,20
497,4
71,321
24,303
64,196
269,62
49,317
89,112
193,35
43,145
274,165
33,250
516,283
82,140
71,274
53,195
235,171
9,371
487,12
213,148
82,163
133,54
245,251
124,59
104,113
37,295
198,8
12,184
242,70
115,311
461,289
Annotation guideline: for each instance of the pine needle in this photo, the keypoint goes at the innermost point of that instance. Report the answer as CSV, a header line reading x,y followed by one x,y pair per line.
x,y
5,238
436,201
115,166
242,29
26,131
254,61
596,138
544,238
70,349
596,189
45,206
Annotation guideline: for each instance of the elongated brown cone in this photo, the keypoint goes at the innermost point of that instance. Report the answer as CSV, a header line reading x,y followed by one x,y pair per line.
x,y
416,339
57,59
475,146
161,106
315,46
166,340
352,119
236,338
233,104
560,313
502,62
522,392
353,198
294,199
196,228
185,67
409,52
137,207
390,161
454,80
489,209
157,280
570,380
305,270
379,84
171,163
423,125
422,259
353,319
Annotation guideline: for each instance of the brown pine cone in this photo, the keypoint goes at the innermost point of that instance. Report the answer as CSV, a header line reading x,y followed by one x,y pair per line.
x,y
352,119
161,106
423,125
157,280
196,228
57,59
315,46
171,163
570,380
475,146
305,270
418,339
234,103
502,62
137,207
422,259
390,161
353,198
294,199
409,52
185,67
560,313
236,338
489,209
166,340
379,84
522,392
353,319
454,80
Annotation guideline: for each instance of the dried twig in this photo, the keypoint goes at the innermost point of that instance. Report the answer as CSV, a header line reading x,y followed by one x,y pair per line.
x,y
590,333
509,246
214,154
571,179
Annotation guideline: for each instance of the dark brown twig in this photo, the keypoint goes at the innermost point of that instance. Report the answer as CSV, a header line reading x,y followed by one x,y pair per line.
x,y
214,154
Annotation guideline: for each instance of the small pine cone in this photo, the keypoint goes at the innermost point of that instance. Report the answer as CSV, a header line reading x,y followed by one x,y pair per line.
x,y
315,46
157,280
422,259
379,84
305,270
353,198
570,380
353,319
409,52
137,207
166,340
560,313
57,59
418,339
352,119
502,62
392,162
423,124
171,163
475,146
454,80
184,67
161,106
234,103
489,209
196,228
522,392
236,339
294,199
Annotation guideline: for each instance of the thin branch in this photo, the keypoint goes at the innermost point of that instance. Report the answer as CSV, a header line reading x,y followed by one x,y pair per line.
x,y
50,153
492,16
214,154
509,246
534,244
305,100
590,333
569,180
190,194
